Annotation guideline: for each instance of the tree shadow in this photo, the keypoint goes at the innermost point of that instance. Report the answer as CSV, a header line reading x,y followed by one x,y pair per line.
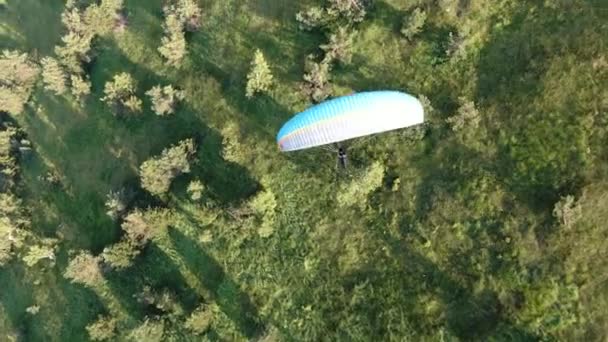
x,y
15,298
155,269
224,291
228,182
469,315
41,31
510,73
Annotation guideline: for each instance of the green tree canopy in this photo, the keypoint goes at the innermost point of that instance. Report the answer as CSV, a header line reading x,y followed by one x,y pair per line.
x,y
17,77
259,78
158,172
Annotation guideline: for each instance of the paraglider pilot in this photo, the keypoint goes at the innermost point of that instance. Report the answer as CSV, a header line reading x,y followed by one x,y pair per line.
x,y
342,157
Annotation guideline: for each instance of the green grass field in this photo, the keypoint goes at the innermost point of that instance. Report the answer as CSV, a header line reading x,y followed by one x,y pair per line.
x,y
464,248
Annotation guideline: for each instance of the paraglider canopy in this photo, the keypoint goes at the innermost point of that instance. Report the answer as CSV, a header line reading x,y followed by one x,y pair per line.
x,y
349,117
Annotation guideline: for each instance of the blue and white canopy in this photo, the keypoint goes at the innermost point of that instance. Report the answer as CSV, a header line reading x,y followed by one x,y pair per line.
x,y
350,117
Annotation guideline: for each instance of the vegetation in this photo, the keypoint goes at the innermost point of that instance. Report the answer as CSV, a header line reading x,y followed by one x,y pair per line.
x,y
259,78
120,94
54,76
103,329
84,269
158,173
413,23
485,223
164,99
17,77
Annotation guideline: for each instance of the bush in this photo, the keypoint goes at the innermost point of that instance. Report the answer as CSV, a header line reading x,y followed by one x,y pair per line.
x,y
264,205
340,46
39,252
200,320
84,269
149,331
104,328
312,18
164,99
356,192
196,189
158,173
116,203
316,80
413,23
81,87
567,211
119,94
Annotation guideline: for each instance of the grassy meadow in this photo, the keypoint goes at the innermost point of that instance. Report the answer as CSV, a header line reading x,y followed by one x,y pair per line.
x,y
459,242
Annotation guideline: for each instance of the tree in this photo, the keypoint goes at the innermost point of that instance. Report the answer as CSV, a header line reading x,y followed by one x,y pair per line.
x,y
188,12
466,117
164,99
312,18
81,87
339,46
138,229
157,173
352,11
119,93
74,51
196,189
17,77
149,331
173,44
200,320
104,328
120,255
39,252
8,163
413,23
116,203
316,80
13,222
259,78
53,75
84,269
567,211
